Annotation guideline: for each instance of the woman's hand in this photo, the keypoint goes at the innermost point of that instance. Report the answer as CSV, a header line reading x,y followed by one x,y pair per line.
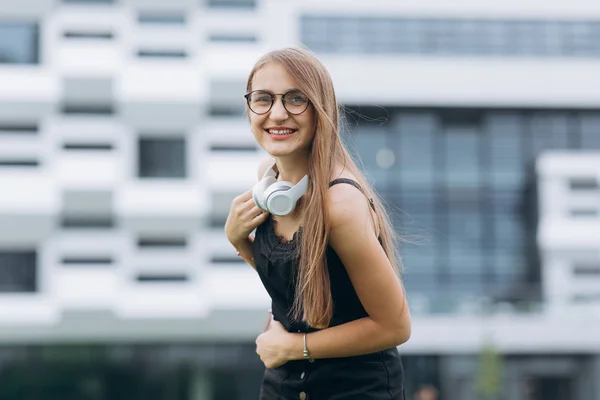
x,y
243,217
277,346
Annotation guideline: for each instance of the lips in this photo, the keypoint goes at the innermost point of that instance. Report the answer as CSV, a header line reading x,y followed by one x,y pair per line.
x,y
280,131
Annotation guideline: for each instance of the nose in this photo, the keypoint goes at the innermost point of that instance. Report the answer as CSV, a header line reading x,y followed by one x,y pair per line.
x,y
278,111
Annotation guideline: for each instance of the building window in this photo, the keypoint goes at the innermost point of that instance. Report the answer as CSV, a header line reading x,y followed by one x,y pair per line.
x,y
451,36
89,1
89,35
19,43
162,242
80,221
232,38
165,54
243,4
18,270
221,202
226,98
20,128
162,157
163,18
79,108
19,163
162,278
96,147
459,191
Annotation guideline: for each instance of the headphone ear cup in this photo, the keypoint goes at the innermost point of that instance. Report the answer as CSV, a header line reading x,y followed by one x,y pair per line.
x,y
278,203
259,191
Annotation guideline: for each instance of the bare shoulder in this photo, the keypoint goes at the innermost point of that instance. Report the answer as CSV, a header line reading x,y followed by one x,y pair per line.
x,y
263,165
346,204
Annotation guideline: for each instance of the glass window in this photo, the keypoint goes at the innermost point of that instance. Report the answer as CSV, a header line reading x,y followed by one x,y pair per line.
x,y
221,203
414,219
371,145
549,131
461,164
451,36
88,221
156,53
162,158
163,18
19,43
18,271
510,241
464,235
232,3
510,269
415,141
590,131
89,1
505,146
227,98
18,163
233,38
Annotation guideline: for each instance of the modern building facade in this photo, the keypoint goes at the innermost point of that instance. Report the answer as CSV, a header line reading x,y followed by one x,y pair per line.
x,y
123,140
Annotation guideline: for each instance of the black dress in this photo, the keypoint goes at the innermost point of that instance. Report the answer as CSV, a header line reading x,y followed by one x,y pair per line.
x,y
375,376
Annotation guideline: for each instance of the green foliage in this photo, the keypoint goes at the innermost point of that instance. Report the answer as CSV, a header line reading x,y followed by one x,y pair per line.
x,y
489,377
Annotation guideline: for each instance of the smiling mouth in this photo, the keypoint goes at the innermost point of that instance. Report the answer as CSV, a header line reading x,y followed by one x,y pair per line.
x,y
281,132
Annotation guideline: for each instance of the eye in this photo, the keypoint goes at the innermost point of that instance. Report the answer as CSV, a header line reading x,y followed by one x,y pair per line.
x,y
261,98
297,98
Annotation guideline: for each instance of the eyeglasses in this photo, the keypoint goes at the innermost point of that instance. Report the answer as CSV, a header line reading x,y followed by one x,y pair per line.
x,y
261,101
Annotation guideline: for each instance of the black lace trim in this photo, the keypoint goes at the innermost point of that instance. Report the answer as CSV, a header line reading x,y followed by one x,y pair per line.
x,y
271,245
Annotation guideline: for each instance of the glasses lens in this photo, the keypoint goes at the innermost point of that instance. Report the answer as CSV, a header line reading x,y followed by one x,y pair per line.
x,y
260,102
295,102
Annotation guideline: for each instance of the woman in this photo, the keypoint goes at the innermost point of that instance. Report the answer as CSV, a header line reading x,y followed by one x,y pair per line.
x,y
338,306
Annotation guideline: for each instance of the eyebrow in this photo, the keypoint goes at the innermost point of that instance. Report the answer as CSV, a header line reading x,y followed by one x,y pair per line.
x,y
286,91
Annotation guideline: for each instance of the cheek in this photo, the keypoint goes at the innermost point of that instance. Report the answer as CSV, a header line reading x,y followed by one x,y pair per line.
x,y
256,125
311,124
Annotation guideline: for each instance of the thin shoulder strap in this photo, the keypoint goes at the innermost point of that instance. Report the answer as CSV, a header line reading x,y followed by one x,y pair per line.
x,y
353,183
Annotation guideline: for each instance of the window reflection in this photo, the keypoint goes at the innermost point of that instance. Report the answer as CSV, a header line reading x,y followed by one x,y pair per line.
x,y
461,155
463,37
19,43
505,138
590,131
460,194
372,148
414,140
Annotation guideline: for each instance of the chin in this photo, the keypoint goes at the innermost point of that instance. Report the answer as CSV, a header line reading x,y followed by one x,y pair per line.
x,y
279,152
281,149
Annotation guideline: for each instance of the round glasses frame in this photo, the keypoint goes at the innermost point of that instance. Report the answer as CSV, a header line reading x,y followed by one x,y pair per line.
x,y
273,96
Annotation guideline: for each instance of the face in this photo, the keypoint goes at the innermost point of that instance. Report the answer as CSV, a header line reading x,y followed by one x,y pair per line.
x,y
278,131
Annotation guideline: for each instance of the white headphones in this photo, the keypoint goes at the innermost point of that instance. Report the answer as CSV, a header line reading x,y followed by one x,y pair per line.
x,y
278,197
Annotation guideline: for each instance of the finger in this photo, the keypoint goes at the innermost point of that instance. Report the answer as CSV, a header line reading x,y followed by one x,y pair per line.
x,y
244,197
259,219
254,211
249,204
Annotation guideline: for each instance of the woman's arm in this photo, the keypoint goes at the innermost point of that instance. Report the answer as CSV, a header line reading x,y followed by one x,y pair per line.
x,y
244,246
268,321
244,250
376,283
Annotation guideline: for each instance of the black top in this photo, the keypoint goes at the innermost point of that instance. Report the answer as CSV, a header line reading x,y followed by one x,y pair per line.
x,y
277,268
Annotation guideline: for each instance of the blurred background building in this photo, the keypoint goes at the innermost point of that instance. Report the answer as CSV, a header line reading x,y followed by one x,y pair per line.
x,y
123,140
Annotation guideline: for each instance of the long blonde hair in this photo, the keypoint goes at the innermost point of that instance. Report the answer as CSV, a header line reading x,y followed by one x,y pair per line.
x,y
313,302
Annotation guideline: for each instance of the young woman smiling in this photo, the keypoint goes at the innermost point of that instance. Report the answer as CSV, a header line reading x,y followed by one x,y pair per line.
x,y
323,248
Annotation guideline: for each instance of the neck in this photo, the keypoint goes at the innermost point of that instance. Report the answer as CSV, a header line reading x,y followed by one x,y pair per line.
x,y
292,168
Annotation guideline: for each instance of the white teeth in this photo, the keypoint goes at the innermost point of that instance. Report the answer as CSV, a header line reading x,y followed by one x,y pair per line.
x,y
280,131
